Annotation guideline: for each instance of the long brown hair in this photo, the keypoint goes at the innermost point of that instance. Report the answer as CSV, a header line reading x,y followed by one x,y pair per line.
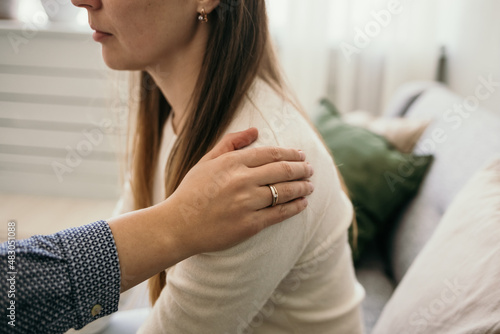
x,y
239,49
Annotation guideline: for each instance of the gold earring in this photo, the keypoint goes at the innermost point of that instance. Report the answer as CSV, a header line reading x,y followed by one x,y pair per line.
x,y
203,17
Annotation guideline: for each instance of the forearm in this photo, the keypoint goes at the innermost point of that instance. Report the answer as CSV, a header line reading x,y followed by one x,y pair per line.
x,y
61,280
146,242
73,277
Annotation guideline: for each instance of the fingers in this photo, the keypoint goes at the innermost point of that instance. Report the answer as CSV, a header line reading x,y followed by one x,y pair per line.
x,y
270,216
231,142
245,138
283,171
287,192
259,156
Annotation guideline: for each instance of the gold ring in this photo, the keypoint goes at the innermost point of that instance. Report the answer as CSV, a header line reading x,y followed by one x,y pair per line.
x,y
274,192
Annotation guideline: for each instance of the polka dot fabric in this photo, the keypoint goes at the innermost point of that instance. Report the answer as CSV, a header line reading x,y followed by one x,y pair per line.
x,y
63,281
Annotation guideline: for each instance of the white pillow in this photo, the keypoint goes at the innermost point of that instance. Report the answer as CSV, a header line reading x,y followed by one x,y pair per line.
x,y
402,133
453,286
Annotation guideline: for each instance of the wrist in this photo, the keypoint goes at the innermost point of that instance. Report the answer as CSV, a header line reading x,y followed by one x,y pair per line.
x,y
147,242
171,231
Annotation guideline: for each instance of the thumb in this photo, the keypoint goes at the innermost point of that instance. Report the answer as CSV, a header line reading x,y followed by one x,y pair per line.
x,y
231,142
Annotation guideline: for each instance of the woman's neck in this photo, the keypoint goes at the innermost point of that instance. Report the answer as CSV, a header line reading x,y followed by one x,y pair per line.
x,y
177,75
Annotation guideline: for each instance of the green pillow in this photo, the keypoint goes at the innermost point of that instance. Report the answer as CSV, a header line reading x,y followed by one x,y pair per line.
x,y
380,179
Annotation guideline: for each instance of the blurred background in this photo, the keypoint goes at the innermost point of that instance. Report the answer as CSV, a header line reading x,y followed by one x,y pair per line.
x,y
63,114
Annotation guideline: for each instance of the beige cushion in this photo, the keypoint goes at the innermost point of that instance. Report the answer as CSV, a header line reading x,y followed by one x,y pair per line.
x,y
453,286
403,133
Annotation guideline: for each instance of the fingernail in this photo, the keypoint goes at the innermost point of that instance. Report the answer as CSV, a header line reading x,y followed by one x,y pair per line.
x,y
302,155
311,169
311,187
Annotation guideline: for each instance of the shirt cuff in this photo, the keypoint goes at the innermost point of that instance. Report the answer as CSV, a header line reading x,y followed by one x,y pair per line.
x,y
93,270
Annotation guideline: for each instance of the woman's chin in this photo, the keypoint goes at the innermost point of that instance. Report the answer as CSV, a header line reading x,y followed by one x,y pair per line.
x,y
115,62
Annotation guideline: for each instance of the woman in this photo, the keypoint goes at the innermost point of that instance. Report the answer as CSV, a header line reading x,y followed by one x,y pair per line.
x,y
208,68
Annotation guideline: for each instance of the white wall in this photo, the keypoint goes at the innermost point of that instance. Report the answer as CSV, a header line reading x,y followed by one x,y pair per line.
x,y
59,133
471,33
405,50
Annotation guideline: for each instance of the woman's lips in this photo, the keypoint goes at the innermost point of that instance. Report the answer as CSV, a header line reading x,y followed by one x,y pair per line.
x,y
100,36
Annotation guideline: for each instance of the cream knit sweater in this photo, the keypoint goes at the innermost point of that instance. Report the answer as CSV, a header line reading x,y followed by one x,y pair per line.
x,y
295,277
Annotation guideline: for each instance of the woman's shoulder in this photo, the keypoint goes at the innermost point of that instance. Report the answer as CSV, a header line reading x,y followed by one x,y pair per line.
x,y
279,122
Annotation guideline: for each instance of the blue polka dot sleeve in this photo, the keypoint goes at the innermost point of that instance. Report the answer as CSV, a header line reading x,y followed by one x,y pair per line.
x,y
60,281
